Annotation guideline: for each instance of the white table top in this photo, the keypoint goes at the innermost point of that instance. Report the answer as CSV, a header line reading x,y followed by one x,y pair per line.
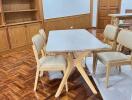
x,y
72,40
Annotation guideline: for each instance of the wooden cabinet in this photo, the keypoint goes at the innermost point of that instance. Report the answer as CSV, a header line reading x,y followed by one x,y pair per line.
x,y
19,11
3,40
19,21
21,35
17,36
32,29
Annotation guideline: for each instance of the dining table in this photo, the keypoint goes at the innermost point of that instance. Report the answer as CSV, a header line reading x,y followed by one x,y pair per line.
x,y
70,41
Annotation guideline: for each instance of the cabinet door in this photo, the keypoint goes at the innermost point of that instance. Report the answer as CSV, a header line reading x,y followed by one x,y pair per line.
x,y
3,40
32,29
17,36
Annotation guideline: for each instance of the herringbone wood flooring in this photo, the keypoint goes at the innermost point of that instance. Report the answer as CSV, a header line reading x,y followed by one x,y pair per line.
x,y
17,75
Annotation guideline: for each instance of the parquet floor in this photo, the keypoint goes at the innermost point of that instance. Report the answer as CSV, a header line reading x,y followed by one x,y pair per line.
x,y
17,75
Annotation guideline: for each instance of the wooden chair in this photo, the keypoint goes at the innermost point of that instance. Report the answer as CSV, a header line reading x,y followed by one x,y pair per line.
x,y
116,58
42,32
46,63
110,36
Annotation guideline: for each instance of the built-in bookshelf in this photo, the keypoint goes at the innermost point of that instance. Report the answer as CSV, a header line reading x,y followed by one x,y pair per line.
x,y
9,5
19,21
19,11
17,17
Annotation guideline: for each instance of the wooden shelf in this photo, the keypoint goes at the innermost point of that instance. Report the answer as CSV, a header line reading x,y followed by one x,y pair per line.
x,y
19,21
26,22
19,11
18,4
20,17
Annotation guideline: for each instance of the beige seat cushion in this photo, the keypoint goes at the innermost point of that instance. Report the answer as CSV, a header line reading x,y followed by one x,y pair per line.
x,y
52,62
112,56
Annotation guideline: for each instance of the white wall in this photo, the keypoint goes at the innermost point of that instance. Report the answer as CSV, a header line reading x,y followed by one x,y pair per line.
x,y
126,4
95,3
62,8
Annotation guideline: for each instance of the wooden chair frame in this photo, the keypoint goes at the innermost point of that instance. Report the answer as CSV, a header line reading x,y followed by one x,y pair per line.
x,y
113,63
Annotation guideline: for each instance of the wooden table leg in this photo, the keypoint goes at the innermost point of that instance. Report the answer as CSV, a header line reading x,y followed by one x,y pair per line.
x,y
83,73
80,69
86,78
66,75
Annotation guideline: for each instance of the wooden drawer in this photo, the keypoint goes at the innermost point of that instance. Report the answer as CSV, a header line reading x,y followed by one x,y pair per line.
x,y
3,40
17,36
32,29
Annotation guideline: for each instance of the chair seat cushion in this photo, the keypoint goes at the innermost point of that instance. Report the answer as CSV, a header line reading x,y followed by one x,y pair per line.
x,y
112,56
52,61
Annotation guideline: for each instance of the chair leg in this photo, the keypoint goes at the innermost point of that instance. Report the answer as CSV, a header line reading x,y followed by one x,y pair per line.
x,y
66,84
94,62
108,68
36,79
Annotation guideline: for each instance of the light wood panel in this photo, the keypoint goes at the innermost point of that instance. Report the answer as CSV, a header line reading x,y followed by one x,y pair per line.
x,y
106,7
3,40
17,36
32,29
79,21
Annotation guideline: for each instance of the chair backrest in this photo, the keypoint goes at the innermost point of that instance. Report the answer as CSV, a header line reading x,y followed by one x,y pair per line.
x,y
38,44
42,32
125,38
110,35
110,32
